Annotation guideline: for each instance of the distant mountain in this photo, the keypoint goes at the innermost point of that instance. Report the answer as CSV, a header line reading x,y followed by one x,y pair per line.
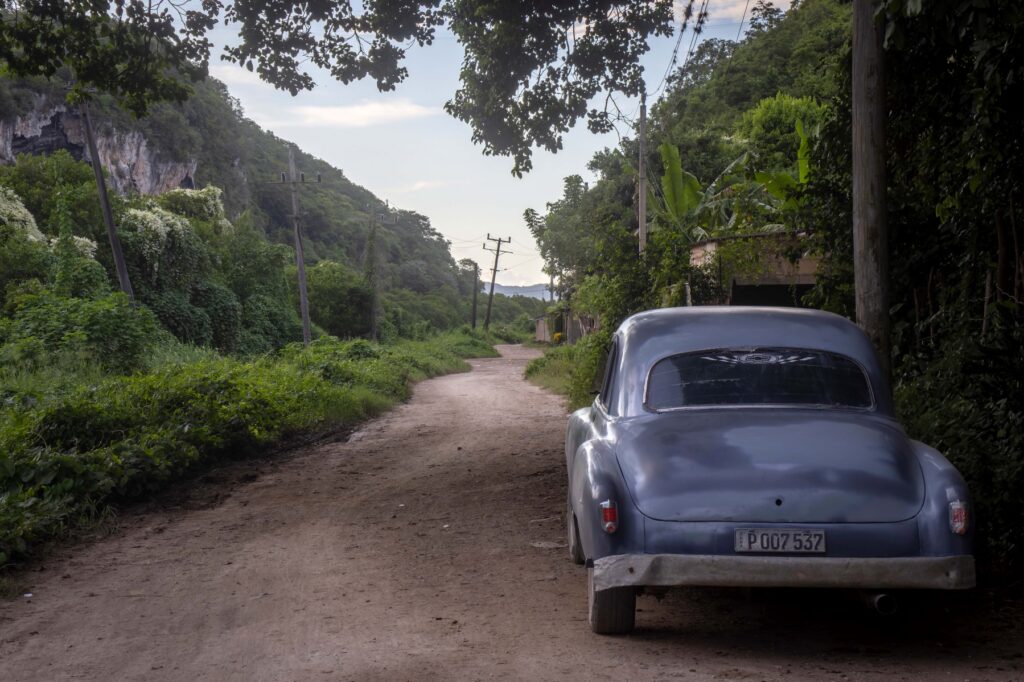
x,y
533,290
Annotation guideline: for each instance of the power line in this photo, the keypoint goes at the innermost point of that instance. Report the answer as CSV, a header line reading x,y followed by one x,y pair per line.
x,y
702,14
742,19
521,263
701,17
672,61
474,240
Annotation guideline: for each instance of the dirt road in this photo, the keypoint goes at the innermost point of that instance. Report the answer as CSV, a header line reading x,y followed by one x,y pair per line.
x,y
429,545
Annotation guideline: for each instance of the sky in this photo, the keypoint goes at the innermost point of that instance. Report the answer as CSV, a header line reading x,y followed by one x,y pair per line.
x,y
404,148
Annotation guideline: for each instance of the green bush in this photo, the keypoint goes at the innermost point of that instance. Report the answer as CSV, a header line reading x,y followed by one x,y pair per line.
x,y
21,260
43,182
106,331
162,251
15,218
572,371
957,404
224,312
177,314
202,204
75,272
339,299
267,324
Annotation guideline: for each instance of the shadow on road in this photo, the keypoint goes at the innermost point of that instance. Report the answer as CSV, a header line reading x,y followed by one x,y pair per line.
x,y
983,626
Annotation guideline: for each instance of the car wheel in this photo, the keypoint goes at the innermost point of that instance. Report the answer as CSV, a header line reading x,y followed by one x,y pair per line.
x,y
611,612
572,532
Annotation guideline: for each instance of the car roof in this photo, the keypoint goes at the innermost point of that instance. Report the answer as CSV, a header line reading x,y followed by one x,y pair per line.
x,y
649,336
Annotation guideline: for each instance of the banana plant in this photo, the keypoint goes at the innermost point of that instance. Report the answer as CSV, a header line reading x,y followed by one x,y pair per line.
x,y
681,190
698,212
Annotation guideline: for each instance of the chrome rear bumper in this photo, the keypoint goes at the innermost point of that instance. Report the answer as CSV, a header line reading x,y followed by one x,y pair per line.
x,y
672,570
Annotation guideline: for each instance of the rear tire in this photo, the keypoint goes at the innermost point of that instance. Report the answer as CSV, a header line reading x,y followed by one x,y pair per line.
x,y
611,612
572,532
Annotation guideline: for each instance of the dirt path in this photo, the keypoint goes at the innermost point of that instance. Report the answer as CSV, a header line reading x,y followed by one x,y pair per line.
x,y
429,546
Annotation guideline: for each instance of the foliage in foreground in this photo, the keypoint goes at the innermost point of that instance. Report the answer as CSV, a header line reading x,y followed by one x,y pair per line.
x,y
72,444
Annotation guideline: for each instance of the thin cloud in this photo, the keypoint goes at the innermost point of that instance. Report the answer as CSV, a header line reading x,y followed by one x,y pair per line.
x,y
232,74
362,115
419,186
427,184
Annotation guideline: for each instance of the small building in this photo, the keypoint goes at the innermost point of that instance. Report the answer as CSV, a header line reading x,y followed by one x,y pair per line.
x,y
777,281
572,326
542,332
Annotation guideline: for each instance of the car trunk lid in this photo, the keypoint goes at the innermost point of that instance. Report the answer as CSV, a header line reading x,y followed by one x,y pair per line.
x,y
770,465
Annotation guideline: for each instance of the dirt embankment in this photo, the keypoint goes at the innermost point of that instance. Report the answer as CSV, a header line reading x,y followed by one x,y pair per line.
x,y
429,545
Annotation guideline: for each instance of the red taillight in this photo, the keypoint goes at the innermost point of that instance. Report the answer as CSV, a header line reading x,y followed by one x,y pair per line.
x,y
958,517
609,516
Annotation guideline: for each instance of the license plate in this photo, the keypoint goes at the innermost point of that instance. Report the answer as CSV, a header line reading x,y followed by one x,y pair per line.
x,y
780,541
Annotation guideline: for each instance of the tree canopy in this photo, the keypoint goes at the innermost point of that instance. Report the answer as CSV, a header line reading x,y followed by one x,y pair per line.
x,y
529,73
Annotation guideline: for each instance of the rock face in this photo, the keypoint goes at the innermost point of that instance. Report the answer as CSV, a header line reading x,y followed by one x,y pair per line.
x,y
132,165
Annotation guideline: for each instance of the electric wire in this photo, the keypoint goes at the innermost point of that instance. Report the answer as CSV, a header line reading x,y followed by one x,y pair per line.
x,y
743,18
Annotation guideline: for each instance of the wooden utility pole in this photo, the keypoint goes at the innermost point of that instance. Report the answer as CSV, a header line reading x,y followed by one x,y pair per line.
x,y
300,261
108,215
494,273
476,288
870,231
642,171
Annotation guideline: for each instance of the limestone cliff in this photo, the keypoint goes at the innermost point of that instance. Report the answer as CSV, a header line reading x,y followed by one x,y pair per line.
x,y
133,166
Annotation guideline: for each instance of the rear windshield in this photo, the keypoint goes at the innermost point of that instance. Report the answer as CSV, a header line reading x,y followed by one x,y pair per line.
x,y
757,376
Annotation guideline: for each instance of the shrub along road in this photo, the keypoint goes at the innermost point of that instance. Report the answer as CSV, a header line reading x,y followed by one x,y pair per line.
x,y
430,545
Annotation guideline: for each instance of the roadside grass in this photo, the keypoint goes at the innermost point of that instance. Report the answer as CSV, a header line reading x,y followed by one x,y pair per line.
x,y
572,370
74,441
553,370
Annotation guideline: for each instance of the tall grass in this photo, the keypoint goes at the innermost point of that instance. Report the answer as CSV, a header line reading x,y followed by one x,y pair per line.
x,y
74,441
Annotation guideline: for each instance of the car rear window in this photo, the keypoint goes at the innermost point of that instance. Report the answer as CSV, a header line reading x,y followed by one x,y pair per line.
x,y
758,376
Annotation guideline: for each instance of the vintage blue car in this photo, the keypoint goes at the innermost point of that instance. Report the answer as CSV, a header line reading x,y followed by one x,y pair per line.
x,y
754,447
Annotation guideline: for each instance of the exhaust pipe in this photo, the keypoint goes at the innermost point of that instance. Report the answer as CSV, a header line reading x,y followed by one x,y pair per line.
x,y
882,602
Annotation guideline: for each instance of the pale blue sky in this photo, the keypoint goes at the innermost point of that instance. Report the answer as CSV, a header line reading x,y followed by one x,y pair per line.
x,y
403,147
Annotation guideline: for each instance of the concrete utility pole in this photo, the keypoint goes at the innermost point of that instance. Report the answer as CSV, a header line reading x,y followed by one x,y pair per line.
x,y
371,263
870,231
293,179
108,215
370,270
300,261
494,273
476,288
642,171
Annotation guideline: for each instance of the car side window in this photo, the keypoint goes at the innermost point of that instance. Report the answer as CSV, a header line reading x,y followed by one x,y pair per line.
x,y
608,385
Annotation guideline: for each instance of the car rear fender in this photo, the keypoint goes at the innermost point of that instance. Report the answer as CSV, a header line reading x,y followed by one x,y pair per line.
x,y
578,429
943,485
595,477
